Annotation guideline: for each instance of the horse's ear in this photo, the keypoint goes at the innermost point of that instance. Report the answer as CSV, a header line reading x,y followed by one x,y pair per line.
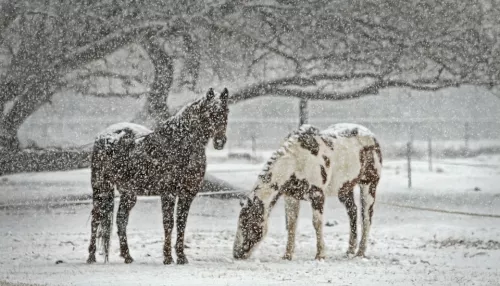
x,y
210,93
245,201
224,95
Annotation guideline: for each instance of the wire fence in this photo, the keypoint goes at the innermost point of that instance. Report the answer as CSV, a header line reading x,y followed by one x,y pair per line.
x,y
448,137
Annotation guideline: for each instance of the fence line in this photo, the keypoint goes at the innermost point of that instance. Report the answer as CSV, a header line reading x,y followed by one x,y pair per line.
x,y
87,202
440,210
112,120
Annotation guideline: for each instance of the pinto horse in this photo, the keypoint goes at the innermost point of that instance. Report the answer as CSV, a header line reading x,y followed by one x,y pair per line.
x,y
311,165
169,162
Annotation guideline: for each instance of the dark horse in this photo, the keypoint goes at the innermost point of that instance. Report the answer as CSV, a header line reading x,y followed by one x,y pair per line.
x,y
169,162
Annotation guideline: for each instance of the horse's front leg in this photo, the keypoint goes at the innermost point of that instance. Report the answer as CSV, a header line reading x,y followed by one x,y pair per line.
x,y
183,206
317,198
167,206
292,207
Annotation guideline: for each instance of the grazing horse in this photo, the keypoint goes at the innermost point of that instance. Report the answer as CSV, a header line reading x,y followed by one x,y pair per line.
x,y
169,162
310,165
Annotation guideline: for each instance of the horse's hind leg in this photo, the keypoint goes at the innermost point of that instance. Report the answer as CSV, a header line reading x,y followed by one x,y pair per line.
x,y
93,235
346,196
183,206
367,202
127,202
292,207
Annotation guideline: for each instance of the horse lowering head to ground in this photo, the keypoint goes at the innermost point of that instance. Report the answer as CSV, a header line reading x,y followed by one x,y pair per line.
x,y
312,165
169,162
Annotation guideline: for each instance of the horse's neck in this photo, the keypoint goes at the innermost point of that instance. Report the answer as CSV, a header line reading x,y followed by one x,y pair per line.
x,y
182,129
268,186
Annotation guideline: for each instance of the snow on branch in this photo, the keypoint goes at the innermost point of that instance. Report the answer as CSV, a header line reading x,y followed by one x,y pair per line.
x,y
127,79
308,88
117,94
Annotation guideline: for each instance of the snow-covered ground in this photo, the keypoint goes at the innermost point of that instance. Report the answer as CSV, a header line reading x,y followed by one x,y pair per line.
x,y
407,246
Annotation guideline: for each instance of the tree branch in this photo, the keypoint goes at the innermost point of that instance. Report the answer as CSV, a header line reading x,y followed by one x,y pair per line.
x,y
107,45
295,87
116,94
127,79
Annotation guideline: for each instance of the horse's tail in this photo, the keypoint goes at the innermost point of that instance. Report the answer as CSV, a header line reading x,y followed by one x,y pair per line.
x,y
103,197
106,225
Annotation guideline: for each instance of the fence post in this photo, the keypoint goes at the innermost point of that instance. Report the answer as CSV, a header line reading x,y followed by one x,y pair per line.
x,y
254,146
302,111
429,153
466,136
408,157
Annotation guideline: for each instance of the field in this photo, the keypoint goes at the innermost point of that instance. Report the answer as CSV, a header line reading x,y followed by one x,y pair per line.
x,y
44,244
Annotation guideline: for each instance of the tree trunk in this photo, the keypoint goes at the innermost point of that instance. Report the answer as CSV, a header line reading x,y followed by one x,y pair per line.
x,y
302,111
9,14
36,91
157,106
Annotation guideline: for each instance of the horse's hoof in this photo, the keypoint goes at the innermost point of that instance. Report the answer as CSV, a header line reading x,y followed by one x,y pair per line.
x,y
350,252
168,260
129,260
320,257
360,254
182,260
287,257
91,260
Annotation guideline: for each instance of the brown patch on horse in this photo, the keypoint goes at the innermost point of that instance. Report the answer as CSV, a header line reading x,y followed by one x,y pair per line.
x,y
308,142
369,174
327,161
251,219
349,132
317,198
275,200
323,174
377,150
296,188
275,187
372,193
328,142
301,189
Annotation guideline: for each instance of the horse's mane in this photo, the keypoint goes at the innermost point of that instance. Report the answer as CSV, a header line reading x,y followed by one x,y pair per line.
x,y
290,140
178,117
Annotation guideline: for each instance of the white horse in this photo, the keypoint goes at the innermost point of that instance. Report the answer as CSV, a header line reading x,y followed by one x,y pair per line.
x,y
310,165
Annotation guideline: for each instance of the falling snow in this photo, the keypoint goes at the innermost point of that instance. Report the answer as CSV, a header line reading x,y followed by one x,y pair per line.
x,y
421,75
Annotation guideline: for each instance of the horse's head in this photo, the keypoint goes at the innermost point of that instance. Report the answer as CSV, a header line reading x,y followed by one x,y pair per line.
x,y
217,112
251,227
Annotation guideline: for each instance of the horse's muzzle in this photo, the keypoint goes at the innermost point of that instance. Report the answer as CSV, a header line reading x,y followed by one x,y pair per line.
x,y
219,143
239,254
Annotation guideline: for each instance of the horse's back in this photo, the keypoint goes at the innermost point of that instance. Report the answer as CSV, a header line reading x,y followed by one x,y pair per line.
x,y
111,151
116,132
350,130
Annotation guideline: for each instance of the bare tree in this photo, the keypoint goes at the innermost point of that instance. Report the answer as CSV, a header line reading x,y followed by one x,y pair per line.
x,y
44,43
313,50
348,49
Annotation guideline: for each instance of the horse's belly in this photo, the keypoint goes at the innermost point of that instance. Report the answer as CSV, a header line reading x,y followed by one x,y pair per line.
x,y
145,184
